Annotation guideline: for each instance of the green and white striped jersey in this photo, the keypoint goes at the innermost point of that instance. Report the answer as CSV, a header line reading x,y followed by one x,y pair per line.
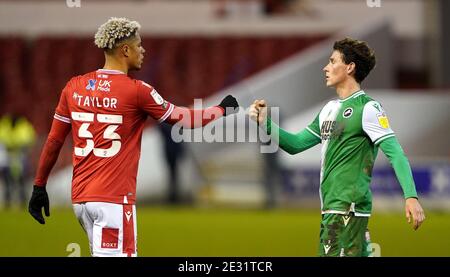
x,y
350,131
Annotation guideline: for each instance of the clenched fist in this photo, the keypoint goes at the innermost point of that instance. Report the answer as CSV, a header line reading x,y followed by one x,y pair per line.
x,y
258,111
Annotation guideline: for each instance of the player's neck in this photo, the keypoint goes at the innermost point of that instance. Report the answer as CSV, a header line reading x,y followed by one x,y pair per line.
x,y
346,89
112,64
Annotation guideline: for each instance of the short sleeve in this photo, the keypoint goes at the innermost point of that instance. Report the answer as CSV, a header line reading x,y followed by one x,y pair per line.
x,y
314,127
152,103
375,122
62,112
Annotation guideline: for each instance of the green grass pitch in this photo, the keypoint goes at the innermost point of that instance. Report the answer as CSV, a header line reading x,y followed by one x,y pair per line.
x,y
190,231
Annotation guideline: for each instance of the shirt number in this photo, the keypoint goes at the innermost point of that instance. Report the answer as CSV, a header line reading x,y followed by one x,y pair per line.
x,y
109,133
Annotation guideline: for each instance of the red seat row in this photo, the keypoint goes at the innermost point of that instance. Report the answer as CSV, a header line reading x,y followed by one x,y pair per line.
x,y
33,72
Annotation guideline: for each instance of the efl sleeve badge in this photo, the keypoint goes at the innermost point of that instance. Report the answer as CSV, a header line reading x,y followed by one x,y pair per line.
x,y
383,120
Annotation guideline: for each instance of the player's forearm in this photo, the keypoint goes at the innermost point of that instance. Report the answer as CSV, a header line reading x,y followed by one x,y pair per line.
x,y
189,118
291,143
48,158
394,152
51,150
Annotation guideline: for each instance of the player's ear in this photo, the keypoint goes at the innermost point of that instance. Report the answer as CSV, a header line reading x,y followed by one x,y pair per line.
x,y
351,68
125,50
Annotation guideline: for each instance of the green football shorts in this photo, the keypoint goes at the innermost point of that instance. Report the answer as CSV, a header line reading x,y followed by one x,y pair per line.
x,y
344,236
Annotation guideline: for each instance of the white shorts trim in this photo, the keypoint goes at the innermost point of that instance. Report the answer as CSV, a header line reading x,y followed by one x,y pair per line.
x,y
345,213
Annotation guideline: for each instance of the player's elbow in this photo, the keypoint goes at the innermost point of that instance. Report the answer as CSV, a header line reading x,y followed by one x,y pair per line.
x,y
54,142
186,124
291,150
295,152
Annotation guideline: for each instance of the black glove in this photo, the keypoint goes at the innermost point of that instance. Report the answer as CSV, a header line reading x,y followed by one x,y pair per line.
x,y
39,199
231,103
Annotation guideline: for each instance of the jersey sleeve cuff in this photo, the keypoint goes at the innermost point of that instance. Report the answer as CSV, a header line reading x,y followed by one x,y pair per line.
x,y
167,114
380,139
62,118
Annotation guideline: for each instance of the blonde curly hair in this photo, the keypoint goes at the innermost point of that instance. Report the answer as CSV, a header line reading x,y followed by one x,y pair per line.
x,y
115,30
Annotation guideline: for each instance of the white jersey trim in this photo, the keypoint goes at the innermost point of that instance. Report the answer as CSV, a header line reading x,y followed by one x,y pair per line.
x,y
328,112
167,114
383,138
110,71
147,85
314,133
362,215
61,118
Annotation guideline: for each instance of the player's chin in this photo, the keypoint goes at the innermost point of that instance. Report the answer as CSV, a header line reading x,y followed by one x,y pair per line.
x,y
329,84
137,66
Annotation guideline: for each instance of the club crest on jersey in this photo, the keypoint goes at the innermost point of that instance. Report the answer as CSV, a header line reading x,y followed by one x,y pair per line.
x,y
347,113
165,104
383,120
158,99
91,84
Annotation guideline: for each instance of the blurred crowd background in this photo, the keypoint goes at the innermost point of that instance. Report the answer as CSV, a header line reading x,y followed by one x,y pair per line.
x,y
252,49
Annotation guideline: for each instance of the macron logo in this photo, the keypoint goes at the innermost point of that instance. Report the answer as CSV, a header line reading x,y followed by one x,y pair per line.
x,y
128,215
346,220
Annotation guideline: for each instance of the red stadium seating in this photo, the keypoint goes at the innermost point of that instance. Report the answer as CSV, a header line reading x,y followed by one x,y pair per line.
x,y
33,73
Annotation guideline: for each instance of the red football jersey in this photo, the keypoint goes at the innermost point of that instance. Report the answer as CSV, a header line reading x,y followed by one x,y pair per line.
x,y
107,111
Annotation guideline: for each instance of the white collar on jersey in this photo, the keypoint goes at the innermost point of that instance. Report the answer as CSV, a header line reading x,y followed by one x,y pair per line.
x,y
110,71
